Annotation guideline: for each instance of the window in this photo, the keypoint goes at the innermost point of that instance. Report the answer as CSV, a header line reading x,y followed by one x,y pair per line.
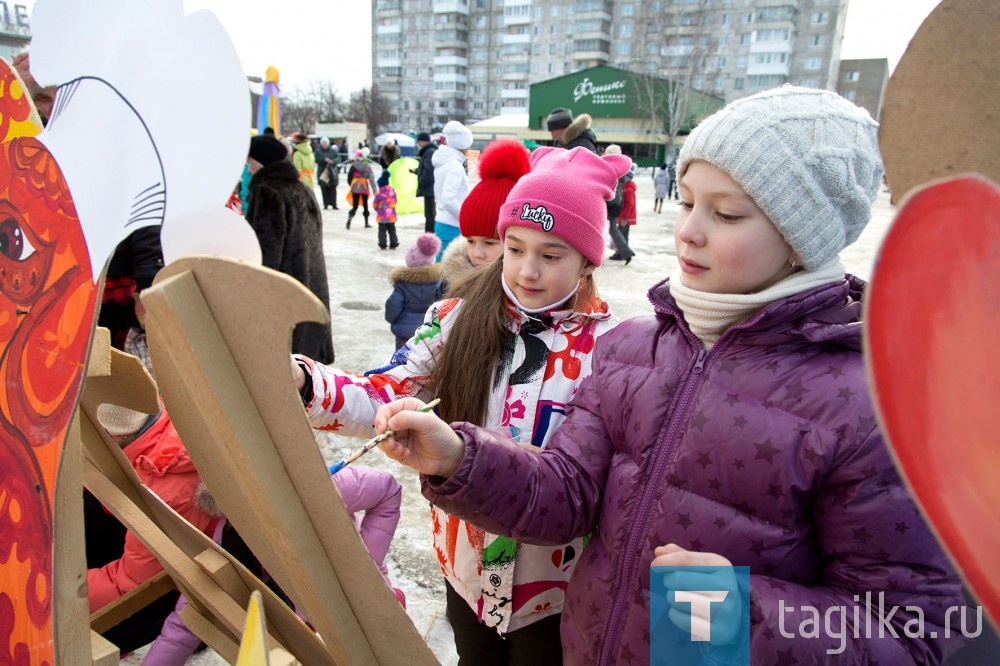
x,y
778,35
748,17
813,63
628,10
768,58
852,76
721,62
626,30
689,19
625,48
741,62
552,49
745,38
774,14
726,19
815,40
809,83
850,94
554,11
723,42
820,18
738,84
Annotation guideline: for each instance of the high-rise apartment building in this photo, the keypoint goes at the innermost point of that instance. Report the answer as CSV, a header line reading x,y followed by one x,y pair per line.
x,y
474,59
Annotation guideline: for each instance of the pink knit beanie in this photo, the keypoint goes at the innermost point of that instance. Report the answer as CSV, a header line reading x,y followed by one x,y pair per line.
x,y
565,195
423,251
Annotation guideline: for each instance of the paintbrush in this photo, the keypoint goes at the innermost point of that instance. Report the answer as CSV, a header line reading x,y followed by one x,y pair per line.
x,y
374,441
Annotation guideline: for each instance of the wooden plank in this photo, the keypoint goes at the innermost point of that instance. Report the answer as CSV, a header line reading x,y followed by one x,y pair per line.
x,y
69,563
131,602
205,629
99,361
102,651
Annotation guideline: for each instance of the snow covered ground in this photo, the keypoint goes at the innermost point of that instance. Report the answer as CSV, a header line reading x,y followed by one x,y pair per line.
x,y
358,272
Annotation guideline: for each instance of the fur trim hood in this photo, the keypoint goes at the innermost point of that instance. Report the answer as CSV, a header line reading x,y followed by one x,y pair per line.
x,y
417,274
206,502
455,263
576,128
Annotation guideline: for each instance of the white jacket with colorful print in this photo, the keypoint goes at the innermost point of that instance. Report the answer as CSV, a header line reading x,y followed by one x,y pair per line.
x,y
508,585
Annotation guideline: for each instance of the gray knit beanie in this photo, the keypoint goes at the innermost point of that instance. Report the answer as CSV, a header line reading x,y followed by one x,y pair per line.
x,y
808,158
558,119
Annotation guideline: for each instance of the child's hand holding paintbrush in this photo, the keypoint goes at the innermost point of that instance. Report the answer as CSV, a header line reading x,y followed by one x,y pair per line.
x,y
375,441
421,441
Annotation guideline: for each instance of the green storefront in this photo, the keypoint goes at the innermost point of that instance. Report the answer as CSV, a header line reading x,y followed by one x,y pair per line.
x,y
627,108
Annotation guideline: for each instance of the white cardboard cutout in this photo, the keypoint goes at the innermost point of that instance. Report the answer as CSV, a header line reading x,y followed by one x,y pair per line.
x,y
150,124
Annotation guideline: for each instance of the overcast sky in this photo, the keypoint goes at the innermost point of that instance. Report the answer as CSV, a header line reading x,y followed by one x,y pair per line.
x,y
331,39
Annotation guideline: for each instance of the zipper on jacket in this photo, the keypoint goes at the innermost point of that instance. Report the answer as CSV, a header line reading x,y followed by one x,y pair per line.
x,y
643,513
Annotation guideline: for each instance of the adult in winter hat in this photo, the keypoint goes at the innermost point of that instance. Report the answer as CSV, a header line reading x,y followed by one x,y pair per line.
x,y
808,158
565,195
423,251
267,150
424,136
502,163
457,135
559,118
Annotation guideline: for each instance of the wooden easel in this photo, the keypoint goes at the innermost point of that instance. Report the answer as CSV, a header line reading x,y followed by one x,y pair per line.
x,y
224,371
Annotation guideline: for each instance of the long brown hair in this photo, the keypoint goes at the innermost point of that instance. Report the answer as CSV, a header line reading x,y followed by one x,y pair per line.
x,y
466,370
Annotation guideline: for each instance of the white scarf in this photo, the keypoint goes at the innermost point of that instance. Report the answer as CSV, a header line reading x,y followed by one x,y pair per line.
x,y
709,315
534,311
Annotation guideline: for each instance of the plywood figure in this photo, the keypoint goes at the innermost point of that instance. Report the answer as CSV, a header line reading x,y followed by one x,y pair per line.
x,y
47,306
220,334
931,307
107,163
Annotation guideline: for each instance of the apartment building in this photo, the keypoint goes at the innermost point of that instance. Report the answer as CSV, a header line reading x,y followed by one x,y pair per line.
x,y
474,59
15,28
863,82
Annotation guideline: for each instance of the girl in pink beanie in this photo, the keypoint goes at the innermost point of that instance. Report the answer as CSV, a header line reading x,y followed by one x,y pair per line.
x,y
508,352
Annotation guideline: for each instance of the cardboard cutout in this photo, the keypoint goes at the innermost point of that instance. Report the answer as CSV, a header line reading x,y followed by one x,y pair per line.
x,y
937,387
939,118
108,162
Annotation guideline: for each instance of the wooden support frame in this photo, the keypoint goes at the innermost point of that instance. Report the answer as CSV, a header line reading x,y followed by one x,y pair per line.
x,y
219,334
211,590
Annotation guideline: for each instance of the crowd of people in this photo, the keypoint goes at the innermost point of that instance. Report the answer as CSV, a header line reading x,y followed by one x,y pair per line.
x,y
571,452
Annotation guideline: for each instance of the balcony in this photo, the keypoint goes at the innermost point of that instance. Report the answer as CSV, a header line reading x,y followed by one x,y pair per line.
x,y
388,29
457,61
517,19
514,94
758,69
450,7
515,39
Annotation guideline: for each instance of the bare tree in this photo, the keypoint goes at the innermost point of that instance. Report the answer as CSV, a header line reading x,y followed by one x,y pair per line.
x,y
370,107
330,105
672,48
299,111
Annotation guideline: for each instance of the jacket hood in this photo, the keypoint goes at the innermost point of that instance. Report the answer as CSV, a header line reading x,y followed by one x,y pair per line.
x,y
304,147
830,313
455,263
206,502
447,154
158,450
576,128
418,274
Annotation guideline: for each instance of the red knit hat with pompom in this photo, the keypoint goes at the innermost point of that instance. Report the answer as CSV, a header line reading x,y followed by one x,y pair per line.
x,y
502,163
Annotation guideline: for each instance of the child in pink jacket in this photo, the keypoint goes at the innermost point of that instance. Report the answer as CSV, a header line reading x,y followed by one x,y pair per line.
x,y
372,491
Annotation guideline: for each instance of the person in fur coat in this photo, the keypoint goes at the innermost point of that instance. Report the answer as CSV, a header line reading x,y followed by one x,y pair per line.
x,y
285,215
415,288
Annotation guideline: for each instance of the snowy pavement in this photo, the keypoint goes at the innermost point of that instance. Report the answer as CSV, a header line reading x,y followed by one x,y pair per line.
x,y
358,272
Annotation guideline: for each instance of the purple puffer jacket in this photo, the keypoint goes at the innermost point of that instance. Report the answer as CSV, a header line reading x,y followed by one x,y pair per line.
x,y
765,450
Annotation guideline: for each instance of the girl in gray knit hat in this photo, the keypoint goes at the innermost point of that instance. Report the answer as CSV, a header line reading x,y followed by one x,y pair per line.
x,y
729,438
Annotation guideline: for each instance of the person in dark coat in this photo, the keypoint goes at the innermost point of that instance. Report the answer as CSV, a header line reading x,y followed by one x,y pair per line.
x,y
570,132
415,288
425,178
134,264
284,214
327,160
